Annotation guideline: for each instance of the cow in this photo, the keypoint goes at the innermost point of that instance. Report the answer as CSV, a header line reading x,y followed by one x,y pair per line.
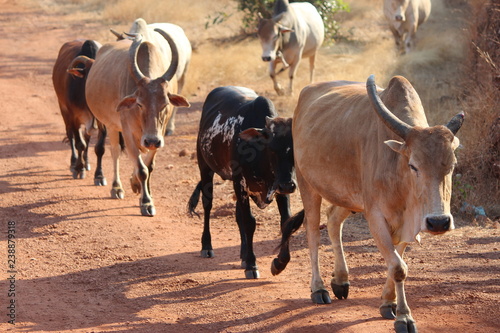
x,y
295,31
184,49
242,139
404,17
130,90
370,151
78,119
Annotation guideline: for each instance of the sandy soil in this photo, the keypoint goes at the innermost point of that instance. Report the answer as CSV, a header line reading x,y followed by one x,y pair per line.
x,y
87,263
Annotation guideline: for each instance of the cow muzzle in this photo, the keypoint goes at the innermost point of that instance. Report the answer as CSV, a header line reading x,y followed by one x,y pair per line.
x,y
438,224
398,18
286,188
152,142
266,58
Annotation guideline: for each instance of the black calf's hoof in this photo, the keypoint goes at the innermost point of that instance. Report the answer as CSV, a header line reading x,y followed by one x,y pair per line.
x,y
79,174
405,326
388,311
341,291
207,253
321,297
277,266
252,274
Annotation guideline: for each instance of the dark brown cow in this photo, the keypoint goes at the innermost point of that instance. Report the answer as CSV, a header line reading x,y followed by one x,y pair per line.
x,y
79,120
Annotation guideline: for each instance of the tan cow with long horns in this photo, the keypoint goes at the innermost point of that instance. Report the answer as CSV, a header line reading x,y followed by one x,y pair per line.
x,y
364,149
130,90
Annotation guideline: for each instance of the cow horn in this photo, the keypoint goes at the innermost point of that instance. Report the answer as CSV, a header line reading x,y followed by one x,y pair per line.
x,y
134,67
456,122
390,120
169,74
118,35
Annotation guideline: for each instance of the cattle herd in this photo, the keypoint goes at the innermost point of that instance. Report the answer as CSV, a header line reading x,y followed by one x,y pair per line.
x,y
359,147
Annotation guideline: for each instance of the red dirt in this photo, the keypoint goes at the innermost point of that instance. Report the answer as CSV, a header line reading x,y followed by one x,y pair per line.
x,y
87,263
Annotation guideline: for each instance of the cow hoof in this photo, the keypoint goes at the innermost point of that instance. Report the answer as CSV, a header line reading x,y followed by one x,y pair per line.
x,y
100,181
207,253
252,274
406,325
277,266
148,210
117,193
321,297
341,291
79,174
135,184
388,311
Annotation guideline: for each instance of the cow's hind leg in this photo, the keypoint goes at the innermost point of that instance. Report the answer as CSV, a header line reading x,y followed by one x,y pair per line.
x,y
99,179
207,189
80,143
340,279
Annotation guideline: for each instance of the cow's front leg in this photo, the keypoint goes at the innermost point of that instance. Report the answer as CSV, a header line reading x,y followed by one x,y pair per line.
x,y
397,273
116,189
142,174
279,263
291,75
246,224
272,73
340,280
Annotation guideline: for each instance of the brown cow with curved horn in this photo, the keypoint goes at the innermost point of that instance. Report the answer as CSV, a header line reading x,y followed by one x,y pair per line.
x,y
364,149
130,90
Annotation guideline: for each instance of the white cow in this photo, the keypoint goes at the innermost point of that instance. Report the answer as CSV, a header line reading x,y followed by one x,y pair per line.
x,y
404,17
295,31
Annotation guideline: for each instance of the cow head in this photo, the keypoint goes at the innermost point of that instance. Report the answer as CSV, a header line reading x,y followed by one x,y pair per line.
x,y
396,9
152,102
270,33
275,140
427,160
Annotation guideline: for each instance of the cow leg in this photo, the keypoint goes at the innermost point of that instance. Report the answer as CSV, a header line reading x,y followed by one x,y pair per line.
x,y
207,188
388,307
283,258
116,189
81,147
272,73
140,180
99,179
340,278
291,74
398,38
246,224
312,210
397,272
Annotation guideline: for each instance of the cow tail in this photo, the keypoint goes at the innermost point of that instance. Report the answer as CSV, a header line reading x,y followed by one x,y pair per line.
x,y
193,200
291,225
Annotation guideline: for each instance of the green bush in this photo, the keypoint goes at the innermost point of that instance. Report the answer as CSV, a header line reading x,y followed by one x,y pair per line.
x,y
326,8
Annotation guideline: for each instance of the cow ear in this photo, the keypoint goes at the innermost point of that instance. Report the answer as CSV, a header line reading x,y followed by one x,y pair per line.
x,y
126,104
285,29
395,145
178,100
254,133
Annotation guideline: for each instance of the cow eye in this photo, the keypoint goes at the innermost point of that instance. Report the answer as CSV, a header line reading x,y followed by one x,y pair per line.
x,y
413,167
139,105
